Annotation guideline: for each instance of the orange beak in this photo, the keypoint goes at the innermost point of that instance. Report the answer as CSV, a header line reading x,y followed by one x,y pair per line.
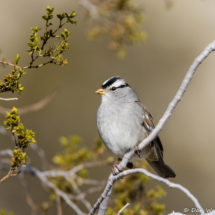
x,y
101,91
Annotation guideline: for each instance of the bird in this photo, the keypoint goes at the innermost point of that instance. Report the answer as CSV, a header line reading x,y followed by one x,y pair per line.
x,y
123,122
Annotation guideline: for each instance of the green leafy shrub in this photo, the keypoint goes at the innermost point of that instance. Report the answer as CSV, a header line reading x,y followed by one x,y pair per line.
x,y
121,21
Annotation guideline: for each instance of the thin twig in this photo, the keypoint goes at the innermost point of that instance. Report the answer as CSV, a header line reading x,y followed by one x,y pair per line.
x,y
88,165
41,154
58,204
86,193
58,191
6,152
123,208
165,181
34,107
9,99
10,173
89,7
29,199
30,67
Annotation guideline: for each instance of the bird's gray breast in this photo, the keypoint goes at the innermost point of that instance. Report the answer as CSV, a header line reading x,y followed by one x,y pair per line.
x,y
120,126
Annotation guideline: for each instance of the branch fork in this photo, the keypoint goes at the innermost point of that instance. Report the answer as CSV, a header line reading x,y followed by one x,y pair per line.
x,y
103,200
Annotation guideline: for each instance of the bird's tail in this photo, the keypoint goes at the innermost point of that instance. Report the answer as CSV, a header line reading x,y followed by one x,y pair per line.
x,y
162,169
156,161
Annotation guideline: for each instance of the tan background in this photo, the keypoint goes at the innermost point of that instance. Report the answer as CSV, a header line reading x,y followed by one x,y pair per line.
x,y
155,70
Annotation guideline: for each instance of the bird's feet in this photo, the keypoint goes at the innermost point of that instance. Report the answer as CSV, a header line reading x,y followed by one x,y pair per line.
x,y
130,165
137,151
115,169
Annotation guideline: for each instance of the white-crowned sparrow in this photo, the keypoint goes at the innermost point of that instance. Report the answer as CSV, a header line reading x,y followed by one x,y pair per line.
x,y
123,122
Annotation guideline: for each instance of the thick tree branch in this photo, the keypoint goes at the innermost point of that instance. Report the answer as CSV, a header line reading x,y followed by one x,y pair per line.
x,y
103,200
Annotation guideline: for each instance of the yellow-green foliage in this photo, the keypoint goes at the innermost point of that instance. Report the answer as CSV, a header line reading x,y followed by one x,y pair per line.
x,y
132,189
121,21
37,50
5,212
24,137
11,81
72,154
53,53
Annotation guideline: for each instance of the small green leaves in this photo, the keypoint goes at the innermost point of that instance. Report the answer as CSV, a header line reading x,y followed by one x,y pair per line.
x,y
16,60
58,57
49,10
35,29
63,62
72,154
49,13
125,29
61,16
73,22
17,128
45,17
24,138
36,46
70,16
65,34
5,212
34,41
73,14
55,54
11,81
20,158
132,189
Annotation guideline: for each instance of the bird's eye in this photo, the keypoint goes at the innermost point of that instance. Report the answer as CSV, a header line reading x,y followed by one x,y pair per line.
x,y
113,88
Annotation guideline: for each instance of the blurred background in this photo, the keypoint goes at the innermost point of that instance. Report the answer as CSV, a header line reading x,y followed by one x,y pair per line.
x,y
154,69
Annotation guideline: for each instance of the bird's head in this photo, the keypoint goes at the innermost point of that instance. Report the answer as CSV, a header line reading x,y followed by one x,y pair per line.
x,y
115,88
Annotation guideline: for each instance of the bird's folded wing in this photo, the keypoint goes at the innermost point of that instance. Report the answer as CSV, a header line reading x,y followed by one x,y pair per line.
x,y
149,126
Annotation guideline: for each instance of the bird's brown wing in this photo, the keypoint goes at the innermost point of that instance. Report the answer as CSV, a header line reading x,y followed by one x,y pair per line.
x,y
155,157
147,119
149,125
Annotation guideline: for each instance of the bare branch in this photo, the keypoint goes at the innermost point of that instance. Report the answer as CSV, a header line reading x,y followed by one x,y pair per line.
x,y
34,107
35,147
88,165
165,181
154,133
10,99
89,7
41,153
6,152
4,131
123,208
28,195
59,208
30,66
89,181
86,193
58,191
7,63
